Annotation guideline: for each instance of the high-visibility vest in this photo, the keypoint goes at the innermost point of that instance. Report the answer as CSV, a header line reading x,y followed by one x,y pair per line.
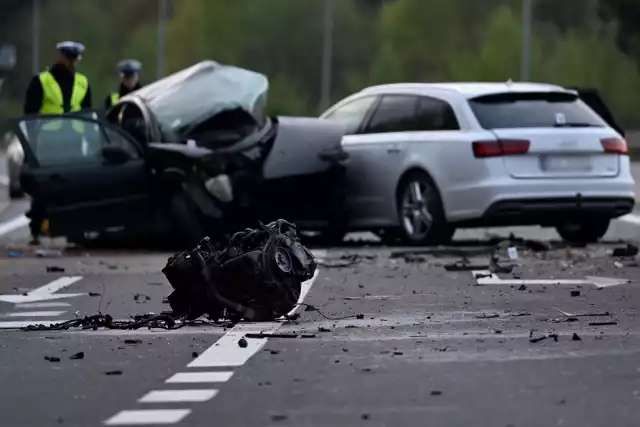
x,y
53,102
115,97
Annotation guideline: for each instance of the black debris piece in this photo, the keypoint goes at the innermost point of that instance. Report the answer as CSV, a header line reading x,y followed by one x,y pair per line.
x,y
322,329
522,287
155,284
463,266
576,337
575,293
274,352
487,316
94,294
495,267
52,358
274,335
112,373
242,343
533,339
133,341
55,269
444,252
141,298
365,416
537,245
256,276
398,353
279,417
359,316
194,354
436,393
497,331
627,251
78,356
602,323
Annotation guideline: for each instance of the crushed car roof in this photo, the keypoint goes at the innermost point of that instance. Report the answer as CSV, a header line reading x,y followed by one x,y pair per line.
x,y
192,95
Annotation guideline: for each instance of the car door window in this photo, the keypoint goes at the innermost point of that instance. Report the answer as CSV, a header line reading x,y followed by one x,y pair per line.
x,y
116,138
67,141
436,115
352,114
395,113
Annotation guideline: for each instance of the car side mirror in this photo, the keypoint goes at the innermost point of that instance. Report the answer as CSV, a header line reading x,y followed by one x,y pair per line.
x,y
114,155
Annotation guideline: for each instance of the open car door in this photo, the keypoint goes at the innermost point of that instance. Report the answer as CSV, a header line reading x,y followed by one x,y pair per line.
x,y
592,98
86,174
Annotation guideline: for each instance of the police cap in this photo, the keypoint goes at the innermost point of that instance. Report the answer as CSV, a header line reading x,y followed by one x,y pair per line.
x,y
129,67
71,49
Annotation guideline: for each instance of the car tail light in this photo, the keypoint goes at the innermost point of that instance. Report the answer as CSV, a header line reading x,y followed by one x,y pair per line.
x,y
615,145
501,147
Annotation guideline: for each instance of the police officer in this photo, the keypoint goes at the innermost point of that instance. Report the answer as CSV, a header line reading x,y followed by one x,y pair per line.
x,y
129,81
59,89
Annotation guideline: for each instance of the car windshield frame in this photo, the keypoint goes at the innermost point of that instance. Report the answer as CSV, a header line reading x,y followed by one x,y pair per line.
x,y
515,110
183,100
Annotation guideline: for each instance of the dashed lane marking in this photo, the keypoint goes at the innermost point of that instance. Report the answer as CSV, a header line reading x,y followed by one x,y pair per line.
x,y
200,377
31,305
148,417
178,396
33,314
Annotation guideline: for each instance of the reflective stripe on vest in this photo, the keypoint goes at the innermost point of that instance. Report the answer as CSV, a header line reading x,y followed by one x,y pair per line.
x,y
115,97
53,102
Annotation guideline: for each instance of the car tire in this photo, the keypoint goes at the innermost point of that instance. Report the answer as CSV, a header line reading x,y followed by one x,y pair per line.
x,y
187,229
583,232
421,213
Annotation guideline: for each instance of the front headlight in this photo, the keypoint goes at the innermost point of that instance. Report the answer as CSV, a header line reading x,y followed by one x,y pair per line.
x,y
220,188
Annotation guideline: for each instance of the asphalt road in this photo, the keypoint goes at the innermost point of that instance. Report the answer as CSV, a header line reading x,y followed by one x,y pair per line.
x,y
432,347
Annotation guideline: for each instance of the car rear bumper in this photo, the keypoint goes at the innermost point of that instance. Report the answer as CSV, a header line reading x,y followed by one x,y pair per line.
x,y
551,211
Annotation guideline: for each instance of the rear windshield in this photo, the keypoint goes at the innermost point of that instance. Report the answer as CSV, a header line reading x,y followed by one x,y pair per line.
x,y
533,110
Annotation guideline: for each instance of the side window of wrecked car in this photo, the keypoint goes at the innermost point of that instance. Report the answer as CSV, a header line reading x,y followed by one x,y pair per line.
x,y
352,114
114,137
395,113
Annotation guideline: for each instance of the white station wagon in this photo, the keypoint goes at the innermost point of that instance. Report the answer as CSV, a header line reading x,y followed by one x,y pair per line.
x,y
426,159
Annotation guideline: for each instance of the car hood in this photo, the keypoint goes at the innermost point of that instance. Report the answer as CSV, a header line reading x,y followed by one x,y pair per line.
x,y
187,98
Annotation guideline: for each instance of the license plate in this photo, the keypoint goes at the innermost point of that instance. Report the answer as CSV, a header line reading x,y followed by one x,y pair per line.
x,y
566,163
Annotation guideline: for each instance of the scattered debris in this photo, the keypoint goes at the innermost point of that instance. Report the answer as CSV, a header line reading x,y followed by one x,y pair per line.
x,y
133,341
627,251
398,353
497,331
94,294
495,268
52,358
155,284
231,281
567,314
48,253
618,264
322,329
487,316
194,354
55,269
575,337
436,393
279,417
111,373
14,254
364,416
522,287
575,293
77,356
602,323
242,343
141,298
542,337
274,335
463,266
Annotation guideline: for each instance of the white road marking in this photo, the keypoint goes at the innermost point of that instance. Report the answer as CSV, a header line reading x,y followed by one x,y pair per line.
x,y
148,417
200,377
175,396
4,180
13,224
24,323
46,292
34,314
42,305
488,278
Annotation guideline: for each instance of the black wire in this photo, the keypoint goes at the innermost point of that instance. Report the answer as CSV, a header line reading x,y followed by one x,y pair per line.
x,y
313,308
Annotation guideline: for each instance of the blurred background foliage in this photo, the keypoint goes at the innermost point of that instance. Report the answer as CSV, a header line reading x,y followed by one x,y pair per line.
x,y
594,43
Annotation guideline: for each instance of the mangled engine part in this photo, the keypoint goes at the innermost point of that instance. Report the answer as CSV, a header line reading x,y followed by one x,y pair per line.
x,y
256,277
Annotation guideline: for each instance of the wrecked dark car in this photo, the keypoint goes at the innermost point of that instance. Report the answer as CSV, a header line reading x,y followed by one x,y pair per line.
x,y
190,155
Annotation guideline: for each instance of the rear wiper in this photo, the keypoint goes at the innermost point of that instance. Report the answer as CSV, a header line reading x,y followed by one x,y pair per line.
x,y
573,125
